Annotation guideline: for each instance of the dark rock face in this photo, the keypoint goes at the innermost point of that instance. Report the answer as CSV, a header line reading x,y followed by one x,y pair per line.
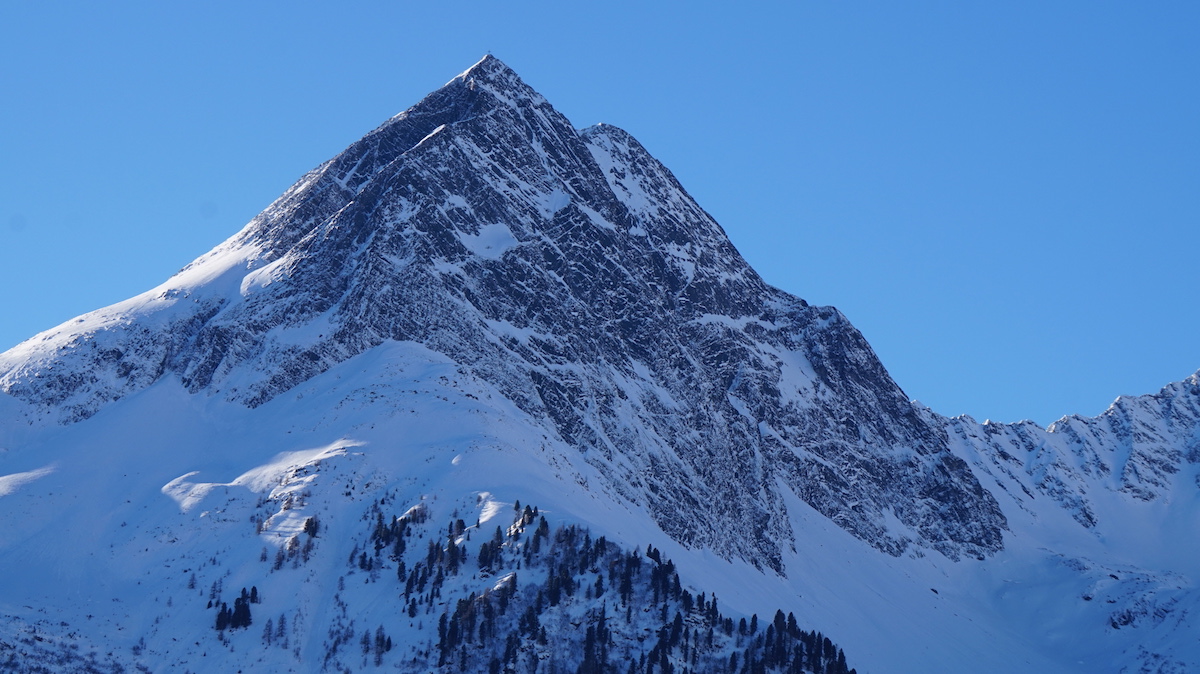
x,y
572,271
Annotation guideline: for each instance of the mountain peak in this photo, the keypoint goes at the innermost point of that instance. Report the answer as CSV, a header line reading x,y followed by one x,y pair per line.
x,y
495,77
487,67
573,273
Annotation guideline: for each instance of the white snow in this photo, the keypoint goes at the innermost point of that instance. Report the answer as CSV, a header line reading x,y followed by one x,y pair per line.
x,y
431,134
491,242
149,491
10,483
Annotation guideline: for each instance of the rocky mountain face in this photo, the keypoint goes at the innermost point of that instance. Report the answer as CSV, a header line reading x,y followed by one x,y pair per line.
x,y
572,271
1139,448
476,302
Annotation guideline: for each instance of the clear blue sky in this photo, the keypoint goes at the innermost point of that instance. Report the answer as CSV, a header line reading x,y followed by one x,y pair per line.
x,y
1003,197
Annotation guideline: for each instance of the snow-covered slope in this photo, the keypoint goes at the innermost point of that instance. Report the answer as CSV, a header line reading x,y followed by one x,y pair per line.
x,y
477,304
1113,503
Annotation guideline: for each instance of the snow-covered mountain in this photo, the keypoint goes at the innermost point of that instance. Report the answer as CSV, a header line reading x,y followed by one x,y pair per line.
x,y
477,305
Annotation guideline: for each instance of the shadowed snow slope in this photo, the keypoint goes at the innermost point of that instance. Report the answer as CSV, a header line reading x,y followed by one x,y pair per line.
x,y
477,304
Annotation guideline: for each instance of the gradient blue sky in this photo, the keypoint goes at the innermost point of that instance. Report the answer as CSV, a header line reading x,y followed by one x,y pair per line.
x,y
1003,197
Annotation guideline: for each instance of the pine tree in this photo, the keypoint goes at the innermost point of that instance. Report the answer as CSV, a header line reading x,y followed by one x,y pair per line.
x,y
452,556
241,613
